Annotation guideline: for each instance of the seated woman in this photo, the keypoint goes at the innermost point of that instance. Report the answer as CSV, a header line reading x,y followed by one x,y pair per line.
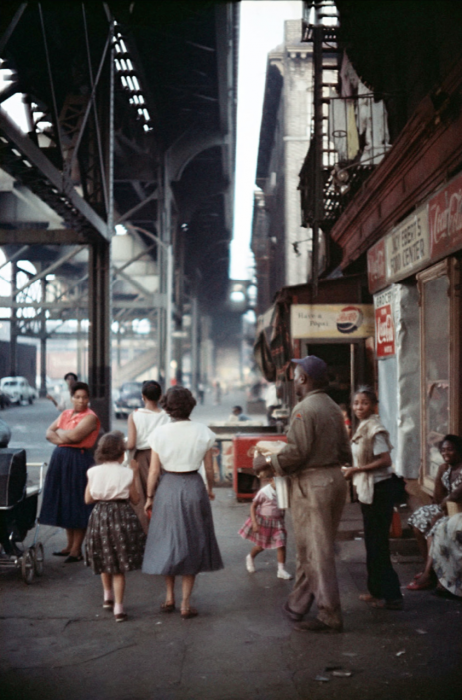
x,y
181,539
429,520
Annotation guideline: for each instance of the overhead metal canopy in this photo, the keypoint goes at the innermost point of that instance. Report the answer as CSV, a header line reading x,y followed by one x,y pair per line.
x,y
131,110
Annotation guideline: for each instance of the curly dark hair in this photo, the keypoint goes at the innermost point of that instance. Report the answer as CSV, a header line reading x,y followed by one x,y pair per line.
x,y
152,390
110,447
454,440
179,402
80,386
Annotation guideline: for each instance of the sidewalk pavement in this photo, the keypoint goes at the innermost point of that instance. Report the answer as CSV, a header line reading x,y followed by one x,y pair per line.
x,y
58,642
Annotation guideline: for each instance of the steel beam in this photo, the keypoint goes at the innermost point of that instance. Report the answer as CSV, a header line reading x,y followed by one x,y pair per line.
x,y
48,270
137,207
40,236
60,182
12,26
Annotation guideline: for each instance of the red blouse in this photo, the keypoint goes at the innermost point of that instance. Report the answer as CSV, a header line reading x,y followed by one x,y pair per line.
x,y
68,420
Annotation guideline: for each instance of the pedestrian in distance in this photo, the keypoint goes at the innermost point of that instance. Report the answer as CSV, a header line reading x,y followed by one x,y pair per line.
x,y
181,538
372,475
74,433
64,401
317,446
115,539
141,425
266,529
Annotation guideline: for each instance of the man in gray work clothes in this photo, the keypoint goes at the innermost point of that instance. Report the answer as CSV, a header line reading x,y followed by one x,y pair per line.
x,y
317,446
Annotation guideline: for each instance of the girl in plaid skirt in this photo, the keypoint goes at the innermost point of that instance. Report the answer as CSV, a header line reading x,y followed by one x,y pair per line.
x,y
265,528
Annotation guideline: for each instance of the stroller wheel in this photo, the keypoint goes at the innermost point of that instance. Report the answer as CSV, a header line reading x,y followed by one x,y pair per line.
x,y
27,566
38,556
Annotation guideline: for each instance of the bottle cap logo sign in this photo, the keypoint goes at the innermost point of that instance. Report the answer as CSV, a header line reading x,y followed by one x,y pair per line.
x,y
349,319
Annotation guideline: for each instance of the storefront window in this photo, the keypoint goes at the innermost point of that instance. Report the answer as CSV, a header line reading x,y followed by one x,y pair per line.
x,y
439,349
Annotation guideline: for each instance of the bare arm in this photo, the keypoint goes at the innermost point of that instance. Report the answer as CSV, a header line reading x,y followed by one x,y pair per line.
x,y
382,460
153,477
86,426
88,497
440,490
131,433
134,493
208,464
52,434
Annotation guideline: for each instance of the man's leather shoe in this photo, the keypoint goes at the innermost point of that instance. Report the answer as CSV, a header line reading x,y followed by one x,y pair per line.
x,y
315,625
291,614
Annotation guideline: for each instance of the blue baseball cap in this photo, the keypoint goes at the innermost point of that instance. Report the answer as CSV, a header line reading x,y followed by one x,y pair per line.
x,y
313,366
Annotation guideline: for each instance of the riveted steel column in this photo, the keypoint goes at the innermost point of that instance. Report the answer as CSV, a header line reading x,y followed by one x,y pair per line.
x,y
99,370
99,282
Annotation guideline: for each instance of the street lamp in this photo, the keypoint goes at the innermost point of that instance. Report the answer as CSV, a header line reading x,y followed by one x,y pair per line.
x,y
168,247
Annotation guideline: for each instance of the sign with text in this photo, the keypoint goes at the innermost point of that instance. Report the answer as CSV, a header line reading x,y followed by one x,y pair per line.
x,y
445,217
407,246
384,326
332,321
377,266
427,235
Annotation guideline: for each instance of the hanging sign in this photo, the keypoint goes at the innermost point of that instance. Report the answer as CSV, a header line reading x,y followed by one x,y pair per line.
x,y
445,215
384,326
407,246
332,321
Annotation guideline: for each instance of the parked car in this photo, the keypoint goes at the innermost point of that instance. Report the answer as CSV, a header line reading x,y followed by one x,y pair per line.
x,y
18,389
128,400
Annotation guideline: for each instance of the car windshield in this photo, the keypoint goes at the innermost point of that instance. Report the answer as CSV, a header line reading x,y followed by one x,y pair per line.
x,y
131,388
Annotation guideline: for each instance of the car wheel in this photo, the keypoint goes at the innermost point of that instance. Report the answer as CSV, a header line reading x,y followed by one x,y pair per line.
x,y
31,400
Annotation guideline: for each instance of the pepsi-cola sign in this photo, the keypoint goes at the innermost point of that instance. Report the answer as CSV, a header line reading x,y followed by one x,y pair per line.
x,y
332,321
349,319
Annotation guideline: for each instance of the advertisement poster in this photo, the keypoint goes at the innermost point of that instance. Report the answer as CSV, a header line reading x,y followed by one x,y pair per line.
x,y
332,321
384,326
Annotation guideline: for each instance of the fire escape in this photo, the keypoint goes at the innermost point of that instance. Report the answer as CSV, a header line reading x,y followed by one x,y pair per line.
x,y
350,133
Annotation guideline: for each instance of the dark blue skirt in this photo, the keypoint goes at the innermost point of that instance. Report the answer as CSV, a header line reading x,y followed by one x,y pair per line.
x,y
181,538
63,502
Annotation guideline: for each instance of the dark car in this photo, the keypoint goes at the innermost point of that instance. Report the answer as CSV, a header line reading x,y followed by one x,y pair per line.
x,y
129,399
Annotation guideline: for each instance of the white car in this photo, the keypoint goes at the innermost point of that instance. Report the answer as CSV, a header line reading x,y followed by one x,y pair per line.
x,y
18,389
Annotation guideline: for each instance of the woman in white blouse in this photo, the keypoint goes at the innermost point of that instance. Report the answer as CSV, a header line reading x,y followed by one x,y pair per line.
x,y
141,425
181,538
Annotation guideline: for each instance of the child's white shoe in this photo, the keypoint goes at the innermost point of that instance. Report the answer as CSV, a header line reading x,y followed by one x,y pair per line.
x,y
282,573
249,565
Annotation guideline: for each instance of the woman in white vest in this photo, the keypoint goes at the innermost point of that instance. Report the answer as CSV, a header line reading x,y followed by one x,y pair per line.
x,y
141,425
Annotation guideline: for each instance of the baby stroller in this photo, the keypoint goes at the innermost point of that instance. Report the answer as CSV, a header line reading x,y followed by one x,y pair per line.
x,y
18,515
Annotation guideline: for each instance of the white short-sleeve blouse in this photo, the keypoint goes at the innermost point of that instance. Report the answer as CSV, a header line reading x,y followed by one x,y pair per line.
x,y
109,481
182,445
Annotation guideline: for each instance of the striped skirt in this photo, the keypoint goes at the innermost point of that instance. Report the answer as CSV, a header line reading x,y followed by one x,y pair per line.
x,y
271,534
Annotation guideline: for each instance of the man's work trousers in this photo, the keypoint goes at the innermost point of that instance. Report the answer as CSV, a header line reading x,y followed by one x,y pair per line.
x,y
317,500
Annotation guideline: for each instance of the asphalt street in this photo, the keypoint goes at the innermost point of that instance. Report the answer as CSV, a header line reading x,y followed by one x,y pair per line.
x,y
58,642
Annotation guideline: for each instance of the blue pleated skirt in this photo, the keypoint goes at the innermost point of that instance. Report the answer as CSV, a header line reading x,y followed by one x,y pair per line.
x,y
181,538
63,502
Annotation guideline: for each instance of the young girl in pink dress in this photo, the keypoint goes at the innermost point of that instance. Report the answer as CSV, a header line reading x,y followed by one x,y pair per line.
x,y
265,528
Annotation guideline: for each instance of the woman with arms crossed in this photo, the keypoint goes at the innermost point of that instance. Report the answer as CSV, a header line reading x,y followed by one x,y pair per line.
x,y
74,433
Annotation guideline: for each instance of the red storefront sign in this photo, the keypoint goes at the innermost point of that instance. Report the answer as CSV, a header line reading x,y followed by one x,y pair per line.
x,y
384,331
445,219
377,266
